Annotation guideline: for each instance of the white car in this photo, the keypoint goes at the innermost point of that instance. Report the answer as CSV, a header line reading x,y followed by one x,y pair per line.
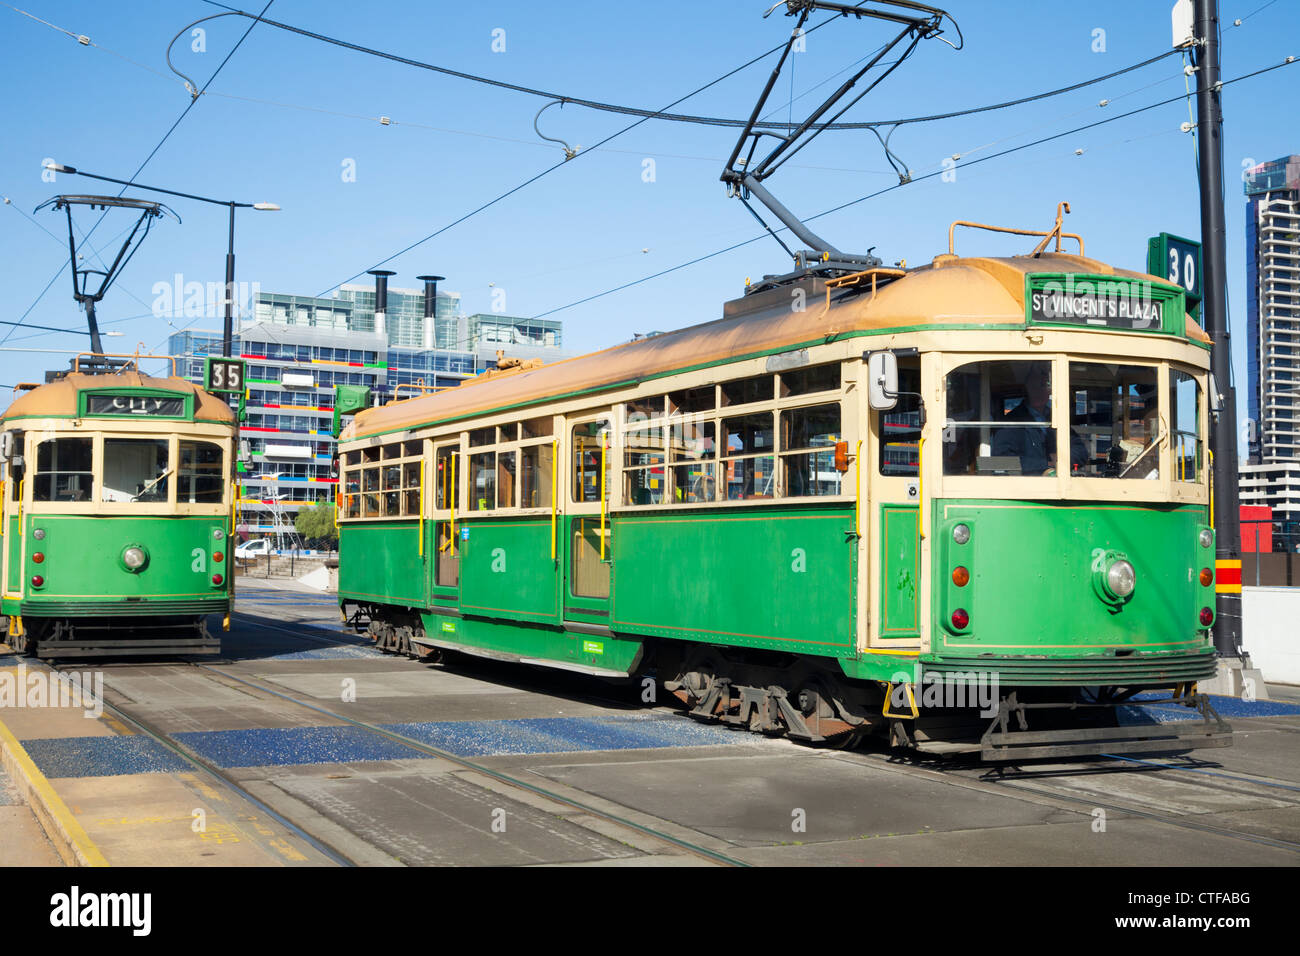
x,y
254,549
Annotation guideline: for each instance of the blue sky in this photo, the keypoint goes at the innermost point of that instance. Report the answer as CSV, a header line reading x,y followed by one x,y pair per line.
x,y
596,222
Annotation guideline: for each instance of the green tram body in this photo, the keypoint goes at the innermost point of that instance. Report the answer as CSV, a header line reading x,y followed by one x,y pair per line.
x,y
102,556
824,613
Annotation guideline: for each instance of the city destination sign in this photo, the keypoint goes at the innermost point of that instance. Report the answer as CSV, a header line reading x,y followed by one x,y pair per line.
x,y
146,406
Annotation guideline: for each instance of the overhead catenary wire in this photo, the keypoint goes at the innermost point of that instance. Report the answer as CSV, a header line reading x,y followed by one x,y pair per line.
x,y
1290,60
147,159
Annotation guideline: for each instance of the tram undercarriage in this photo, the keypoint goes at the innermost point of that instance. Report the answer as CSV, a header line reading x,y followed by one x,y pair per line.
x,y
810,701
50,638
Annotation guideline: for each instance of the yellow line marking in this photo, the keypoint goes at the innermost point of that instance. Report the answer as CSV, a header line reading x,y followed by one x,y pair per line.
x,y
51,805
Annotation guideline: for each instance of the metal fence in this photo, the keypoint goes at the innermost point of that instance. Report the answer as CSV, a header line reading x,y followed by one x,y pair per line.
x,y
1278,567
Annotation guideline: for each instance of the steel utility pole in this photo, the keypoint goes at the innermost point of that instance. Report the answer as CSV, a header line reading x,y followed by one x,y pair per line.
x,y
1214,314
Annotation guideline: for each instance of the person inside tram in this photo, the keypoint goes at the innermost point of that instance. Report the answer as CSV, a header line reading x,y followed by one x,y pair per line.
x,y
1035,447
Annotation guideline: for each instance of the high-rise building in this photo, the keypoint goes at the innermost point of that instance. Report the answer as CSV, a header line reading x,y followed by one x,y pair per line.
x,y
298,348
1273,337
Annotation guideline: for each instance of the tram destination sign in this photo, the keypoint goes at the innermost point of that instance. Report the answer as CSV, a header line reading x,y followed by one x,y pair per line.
x,y
1130,305
142,406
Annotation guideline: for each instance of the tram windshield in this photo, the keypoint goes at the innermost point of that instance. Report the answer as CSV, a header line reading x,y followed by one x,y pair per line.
x,y
1000,420
136,470
63,470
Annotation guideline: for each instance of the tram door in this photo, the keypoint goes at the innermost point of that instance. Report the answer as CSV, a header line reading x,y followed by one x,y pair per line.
x,y
895,584
447,480
11,541
588,541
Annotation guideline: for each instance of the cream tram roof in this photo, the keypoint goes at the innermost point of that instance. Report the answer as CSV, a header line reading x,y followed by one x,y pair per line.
x,y
950,291
59,399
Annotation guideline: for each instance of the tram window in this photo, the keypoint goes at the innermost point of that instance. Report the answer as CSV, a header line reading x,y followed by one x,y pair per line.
x,y
746,390
810,473
391,478
63,470
645,486
370,493
447,466
643,446
900,427
483,481
1115,421
508,432
535,477
748,433
803,381
413,449
482,436
393,450
749,478
202,477
352,458
411,488
370,454
694,483
136,469
642,409
692,441
537,428
1185,422
999,419
506,479
688,400
588,440
352,494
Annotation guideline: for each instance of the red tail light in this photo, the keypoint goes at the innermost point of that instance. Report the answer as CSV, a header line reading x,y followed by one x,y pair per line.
x,y
960,618
37,581
217,579
1207,617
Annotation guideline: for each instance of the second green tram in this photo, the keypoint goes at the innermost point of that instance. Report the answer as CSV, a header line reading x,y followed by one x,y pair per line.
x,y
859,505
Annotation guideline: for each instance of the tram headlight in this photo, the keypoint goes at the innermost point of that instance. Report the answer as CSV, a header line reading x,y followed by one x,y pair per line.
x,y
1121,578
134,557
218,534
961,533
39,534
1206,537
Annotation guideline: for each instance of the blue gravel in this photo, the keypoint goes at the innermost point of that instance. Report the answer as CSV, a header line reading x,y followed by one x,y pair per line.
x,y
1227,707
326,654
101,756
279,747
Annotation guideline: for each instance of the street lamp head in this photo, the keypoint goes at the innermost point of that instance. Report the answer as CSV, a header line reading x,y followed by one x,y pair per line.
x,y
266,206
58,167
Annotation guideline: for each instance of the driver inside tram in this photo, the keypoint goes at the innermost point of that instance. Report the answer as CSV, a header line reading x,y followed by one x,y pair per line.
x,y
1035,447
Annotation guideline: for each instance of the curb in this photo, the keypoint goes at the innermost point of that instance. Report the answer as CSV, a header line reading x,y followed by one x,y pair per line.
x,y
68,836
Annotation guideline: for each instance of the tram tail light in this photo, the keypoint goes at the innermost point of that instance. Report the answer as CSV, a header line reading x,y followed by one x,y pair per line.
x,y
960,619
960,576
1207,617
216,580
38,581
1207,577
38,557
218,557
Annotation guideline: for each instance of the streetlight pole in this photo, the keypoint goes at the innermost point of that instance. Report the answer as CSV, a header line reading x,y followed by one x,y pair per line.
x,y
228,326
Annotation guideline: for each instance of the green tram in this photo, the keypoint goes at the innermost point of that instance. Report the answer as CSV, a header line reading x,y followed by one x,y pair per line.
x,y
830,512
117,511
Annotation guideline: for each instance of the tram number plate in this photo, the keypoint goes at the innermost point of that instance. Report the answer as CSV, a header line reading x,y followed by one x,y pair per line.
x,y
225,375
144,405
1108,305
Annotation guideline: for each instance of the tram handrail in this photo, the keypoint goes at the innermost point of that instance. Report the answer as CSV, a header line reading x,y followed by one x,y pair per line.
x,y
603,447
857,500
133,357
555,497
421,508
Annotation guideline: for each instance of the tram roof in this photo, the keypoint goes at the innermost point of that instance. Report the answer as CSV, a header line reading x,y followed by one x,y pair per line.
x,y
951,291
58,399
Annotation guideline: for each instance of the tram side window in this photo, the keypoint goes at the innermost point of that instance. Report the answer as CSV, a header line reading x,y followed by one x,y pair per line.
x,y
998,419
535,478
644,479
1185,425
811,433
136,470
900,427
588,440
749,468
1116,426
352,493
202,477
63,470
447,466
693,451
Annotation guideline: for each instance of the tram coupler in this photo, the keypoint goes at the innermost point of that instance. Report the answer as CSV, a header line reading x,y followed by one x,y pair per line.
x,y
1002,743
